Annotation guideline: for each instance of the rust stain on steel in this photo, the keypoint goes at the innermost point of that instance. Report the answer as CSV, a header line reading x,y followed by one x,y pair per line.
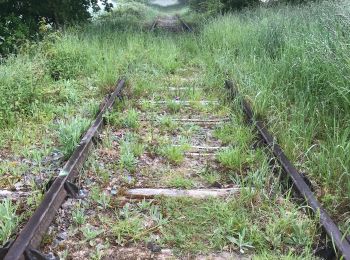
x,y
326,221
32,233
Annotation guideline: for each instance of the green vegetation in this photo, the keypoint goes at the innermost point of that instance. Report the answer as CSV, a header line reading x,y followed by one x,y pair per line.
x,y
130,150
8,220
174,154
296,79
173,107
70,134
78,215
235,158
200,226
234,135
180,182
21,20
127,119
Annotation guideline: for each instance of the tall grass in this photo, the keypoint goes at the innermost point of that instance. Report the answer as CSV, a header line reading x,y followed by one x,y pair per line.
x,y
293,63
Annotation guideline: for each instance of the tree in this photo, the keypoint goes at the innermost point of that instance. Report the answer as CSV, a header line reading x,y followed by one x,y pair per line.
x,y
238,4
20,19
214,6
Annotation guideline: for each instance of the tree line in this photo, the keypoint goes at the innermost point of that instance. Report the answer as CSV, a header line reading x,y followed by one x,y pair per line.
x,y
21,19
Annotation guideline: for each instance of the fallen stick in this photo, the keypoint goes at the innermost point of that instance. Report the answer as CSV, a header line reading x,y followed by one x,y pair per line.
x,y
197,194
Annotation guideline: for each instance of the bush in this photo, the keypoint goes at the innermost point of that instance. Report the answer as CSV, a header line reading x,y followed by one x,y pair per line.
x,y
13,32
215,6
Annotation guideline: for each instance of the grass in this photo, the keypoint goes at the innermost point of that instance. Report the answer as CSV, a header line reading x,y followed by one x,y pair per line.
x,y
210,176
234,135
166,123
70,134
196,226
235,158
78,215
296,80
173,107
179,182
174,154
129,119
130,150
8,220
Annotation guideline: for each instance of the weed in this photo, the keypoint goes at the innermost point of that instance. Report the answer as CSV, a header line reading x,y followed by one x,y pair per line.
x,y
234,135
235,158
129,119
175,154
210,176
180,182
189,130
240,241
128,161
133,144
101,198
166,123
70,133
78,215
173,106
156,215
127,229
144,205
66,63
90,232
130,149
8,220
199,226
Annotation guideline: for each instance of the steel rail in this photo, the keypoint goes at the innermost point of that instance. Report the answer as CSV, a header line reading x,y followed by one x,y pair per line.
x,y
185,26
154,25
31,235
339,240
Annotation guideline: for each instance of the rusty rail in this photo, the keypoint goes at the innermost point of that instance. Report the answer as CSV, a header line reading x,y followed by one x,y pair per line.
x,y
24,246
154,25
184,26
338,239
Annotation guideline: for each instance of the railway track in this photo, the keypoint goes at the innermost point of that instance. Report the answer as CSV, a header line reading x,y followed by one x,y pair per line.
x,y
170,23
174,147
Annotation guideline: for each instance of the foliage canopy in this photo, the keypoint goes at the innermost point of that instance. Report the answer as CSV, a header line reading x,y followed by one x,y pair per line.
x,y
21,19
